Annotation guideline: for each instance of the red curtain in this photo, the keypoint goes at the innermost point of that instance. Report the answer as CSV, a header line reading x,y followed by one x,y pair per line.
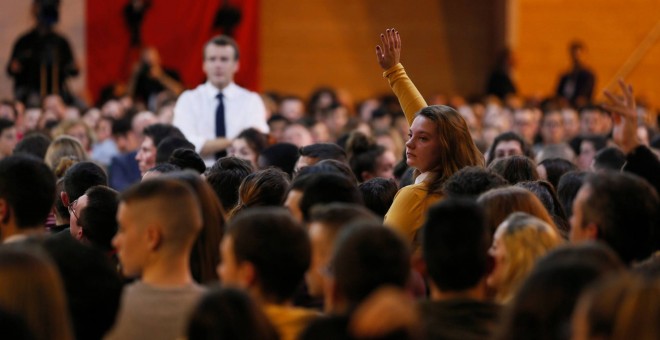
x,y
178,29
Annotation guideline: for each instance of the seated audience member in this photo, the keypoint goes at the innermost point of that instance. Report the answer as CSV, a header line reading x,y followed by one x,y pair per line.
x,y
552,169
593,121
276,126
96,211
159,220
128,134
32,290
166,147
327,188
366,257
508,144
8,138
329,166
548,196
229,313
588,147
621,210
619,307
295,193
378,195
567,189
609,158
282,156
93,286
517,244
187,159
254,259
455,246
314,153
502,202
248,145
472,181
64,146
367,159
263,188
35,144
160,169
80,177
543,306
326,222
27,194
515,169
292,108
153,135
298,135
225,177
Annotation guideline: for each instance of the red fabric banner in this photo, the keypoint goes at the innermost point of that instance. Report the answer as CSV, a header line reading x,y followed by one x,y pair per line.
x,y
178,29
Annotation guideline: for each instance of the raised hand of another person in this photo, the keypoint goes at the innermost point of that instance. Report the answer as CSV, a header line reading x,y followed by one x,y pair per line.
x,y
389,54
624,115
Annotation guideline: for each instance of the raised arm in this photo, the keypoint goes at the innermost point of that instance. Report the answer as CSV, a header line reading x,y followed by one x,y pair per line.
x,y
389,57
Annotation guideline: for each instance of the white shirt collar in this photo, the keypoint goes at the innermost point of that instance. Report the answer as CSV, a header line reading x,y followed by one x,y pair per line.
x,y
422,177
227,92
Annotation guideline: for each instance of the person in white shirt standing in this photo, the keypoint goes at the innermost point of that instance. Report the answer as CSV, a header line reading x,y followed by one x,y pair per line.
x,y
218,110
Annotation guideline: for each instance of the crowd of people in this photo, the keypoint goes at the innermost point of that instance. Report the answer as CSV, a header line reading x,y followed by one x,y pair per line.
x,y
220,213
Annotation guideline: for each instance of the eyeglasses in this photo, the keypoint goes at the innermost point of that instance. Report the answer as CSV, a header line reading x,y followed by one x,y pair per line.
x,y
72,208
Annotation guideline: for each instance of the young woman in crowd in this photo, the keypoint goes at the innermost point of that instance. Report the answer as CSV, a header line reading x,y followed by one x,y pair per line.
x,y
248,145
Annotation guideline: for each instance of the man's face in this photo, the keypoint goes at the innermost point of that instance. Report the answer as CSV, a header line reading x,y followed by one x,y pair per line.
x,y
131,241
524,124
321,251
507,148
220,64
8,141
229,269
75,209
146,156
578,233
552,129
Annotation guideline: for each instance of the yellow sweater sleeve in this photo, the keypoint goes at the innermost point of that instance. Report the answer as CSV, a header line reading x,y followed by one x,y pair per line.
x,y
409,97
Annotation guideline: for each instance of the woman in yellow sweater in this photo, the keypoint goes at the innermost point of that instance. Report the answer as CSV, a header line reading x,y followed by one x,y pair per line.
x,y
439,143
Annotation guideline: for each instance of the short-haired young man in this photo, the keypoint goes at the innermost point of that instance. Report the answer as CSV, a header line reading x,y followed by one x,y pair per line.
x,y
266,252
225,176
159,220
312,154
153,135
27,194
77,179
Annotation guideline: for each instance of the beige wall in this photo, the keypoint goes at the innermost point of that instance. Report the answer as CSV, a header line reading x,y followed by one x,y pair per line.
x,y
612,30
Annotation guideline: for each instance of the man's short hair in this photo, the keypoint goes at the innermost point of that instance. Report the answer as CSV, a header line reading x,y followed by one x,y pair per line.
x,y
323,151
97,219
223,40
157,132
335,216
276,245
6,124
625,209
378,194
187,159
225,177
121,127
173,203
609,158
166,147
35,144
568,187
472,181
82,176
28,186
367,256
455,244
328,188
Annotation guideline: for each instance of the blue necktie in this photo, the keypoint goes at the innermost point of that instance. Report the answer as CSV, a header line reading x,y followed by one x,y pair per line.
x,y
220,130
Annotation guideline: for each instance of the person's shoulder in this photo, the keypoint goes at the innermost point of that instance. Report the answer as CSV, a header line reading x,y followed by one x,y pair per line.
x,y
199,90
413,190
328,327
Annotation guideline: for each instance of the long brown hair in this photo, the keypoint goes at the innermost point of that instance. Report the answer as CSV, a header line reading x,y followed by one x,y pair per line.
x,y
500,203
457,149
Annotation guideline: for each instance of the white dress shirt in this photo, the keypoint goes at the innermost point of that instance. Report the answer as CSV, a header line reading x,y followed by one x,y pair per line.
x,y
194,113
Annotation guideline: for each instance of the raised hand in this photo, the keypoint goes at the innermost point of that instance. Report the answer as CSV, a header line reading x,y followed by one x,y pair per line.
x,y
389,54
624,115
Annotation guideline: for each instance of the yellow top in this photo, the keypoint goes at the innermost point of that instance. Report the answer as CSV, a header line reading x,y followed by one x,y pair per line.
x,y
408,211
410,99
289,321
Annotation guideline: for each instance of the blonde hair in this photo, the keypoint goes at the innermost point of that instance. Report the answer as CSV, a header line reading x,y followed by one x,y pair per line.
x,y
63,127
526,239
64,146
32,289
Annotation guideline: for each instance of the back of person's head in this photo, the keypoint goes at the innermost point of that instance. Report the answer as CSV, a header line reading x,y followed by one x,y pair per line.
x,y
500,203
620,307
277,247
544,304
82,176
336,216
609,158
64,146
567,189
515,169
14,326
229,313
624,209
97,219
281,155
92,284
35,144
555,151
455,242
160,169
170,205
368,256
505,137
158,132
187,159
27,186
472,181
555,168
321,151
121,127
363,154
261,189
327,188
547,195
166,148
378,194
329,166
226,176
32,289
